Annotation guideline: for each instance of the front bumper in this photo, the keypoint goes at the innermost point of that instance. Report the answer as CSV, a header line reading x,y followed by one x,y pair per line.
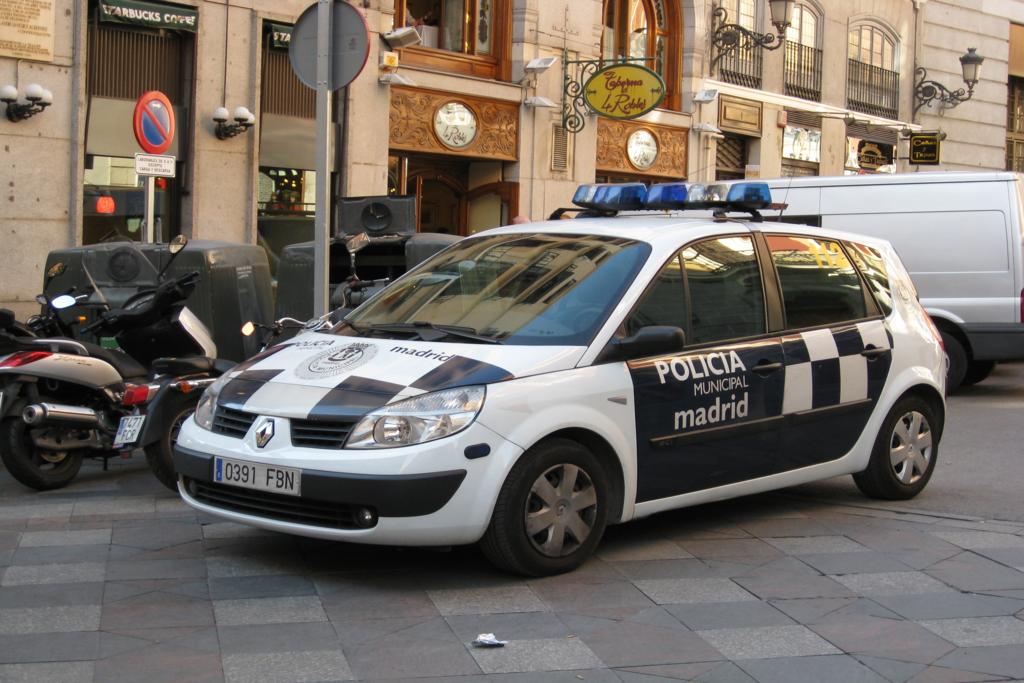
x,y
429,494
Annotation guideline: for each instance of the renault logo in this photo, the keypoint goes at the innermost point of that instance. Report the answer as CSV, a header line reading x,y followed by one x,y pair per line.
x,y
264,433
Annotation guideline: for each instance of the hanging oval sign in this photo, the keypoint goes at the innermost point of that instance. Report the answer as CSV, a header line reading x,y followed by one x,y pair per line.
x,y
624,91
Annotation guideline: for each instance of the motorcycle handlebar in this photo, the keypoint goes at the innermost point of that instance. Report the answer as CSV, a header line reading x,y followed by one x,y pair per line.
x,y
165,295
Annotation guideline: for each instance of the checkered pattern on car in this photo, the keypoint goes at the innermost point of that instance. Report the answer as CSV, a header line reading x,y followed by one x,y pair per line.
x,y
827,367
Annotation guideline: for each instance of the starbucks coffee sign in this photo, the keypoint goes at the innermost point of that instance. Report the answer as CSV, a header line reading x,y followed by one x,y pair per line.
x,y
149,14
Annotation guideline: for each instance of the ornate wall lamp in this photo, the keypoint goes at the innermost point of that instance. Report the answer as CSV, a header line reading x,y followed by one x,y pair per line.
x,y
244,120
926,91
39,98
728,38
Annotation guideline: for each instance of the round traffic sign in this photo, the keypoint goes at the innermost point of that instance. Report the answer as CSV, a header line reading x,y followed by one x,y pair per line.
x,y
154,122
350,45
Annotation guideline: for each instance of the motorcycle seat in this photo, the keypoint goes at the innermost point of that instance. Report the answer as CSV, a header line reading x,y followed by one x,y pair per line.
x,y
125,365
191,365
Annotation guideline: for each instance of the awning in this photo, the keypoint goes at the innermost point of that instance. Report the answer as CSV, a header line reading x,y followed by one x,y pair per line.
x,y
280,35
149,14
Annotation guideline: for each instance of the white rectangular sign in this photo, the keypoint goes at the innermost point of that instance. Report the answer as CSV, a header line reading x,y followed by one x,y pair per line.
x,y
161,166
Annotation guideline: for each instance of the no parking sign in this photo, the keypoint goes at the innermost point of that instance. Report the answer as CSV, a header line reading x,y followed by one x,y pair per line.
x,y
153,122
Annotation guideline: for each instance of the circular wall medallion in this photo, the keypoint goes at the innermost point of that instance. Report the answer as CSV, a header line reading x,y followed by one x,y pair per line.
x,y
642,149
455,125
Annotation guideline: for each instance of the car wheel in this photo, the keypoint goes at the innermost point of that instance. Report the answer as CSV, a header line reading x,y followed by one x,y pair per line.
x,y
977,370
957,361
551,511
905,452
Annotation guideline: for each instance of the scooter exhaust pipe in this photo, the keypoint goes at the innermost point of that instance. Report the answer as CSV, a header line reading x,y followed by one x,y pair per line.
x,y
39,414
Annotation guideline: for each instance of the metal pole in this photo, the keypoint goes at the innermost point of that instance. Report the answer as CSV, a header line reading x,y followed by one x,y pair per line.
x,y
321,248
150,233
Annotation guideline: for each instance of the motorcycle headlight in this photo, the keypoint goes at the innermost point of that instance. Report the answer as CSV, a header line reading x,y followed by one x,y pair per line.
x,y
208,403
418,419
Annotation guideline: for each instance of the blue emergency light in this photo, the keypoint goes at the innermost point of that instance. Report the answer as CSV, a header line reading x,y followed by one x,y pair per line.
x,y
674,197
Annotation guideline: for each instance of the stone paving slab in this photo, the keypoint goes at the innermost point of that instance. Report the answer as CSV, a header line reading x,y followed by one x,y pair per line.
x,y
114,578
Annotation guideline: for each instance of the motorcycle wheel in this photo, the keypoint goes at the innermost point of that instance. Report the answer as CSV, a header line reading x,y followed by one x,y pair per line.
x,y
32,466
160,453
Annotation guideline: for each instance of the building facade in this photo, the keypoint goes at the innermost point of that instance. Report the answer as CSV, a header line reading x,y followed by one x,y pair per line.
x,y
462,125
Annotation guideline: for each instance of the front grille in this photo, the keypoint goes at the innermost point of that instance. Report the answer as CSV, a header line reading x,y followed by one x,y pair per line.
x,y
274,505
232,422
312,434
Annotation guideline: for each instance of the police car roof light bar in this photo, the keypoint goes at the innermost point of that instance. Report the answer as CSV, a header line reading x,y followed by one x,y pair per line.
x,y
748,197
611,197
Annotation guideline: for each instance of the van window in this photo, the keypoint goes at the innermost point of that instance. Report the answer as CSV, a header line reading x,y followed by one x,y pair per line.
x,y
664,303
870,263
724,284
819,284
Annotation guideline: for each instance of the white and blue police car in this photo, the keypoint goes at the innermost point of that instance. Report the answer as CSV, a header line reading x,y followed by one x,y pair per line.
x,y
531,384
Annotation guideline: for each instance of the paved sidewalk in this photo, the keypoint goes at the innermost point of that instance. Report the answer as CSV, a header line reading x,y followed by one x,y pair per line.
x,y
113,579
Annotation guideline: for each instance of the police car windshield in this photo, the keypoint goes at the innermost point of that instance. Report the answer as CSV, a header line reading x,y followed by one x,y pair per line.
x,y
534,289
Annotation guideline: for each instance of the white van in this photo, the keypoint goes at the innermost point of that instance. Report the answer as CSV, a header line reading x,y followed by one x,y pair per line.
x,y
959,235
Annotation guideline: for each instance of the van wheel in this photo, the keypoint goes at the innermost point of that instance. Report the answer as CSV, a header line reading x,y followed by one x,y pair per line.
x,y
32,466
977,370
957,361
551,511
905,452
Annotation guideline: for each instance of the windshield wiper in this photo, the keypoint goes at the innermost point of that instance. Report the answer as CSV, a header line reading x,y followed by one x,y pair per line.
x,y
424,331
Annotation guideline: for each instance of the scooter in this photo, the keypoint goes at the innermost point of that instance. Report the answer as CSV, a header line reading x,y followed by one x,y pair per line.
x,y
63,399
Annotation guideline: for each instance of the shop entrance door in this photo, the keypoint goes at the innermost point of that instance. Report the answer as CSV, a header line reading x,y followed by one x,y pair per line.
x,y
447,201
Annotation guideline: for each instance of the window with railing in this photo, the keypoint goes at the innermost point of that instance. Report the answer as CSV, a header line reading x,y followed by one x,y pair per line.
x,y
872,81
803,57
1015,125
742,66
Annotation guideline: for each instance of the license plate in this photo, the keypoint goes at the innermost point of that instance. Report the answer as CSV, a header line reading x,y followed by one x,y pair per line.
x,y
256,475
128,430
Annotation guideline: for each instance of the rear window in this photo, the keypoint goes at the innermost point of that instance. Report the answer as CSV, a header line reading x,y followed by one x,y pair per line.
x,y
819,284
870,263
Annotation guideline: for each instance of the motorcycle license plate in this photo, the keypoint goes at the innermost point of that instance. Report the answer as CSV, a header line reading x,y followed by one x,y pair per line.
x,y
128,430
258,476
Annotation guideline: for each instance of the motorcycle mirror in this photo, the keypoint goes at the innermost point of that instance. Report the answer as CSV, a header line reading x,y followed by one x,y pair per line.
x,y
248,328
41,299
357,243
63,301
177,244
55,270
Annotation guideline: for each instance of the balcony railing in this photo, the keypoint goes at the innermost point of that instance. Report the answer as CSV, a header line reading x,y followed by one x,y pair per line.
x,y
803,71
742,67
872,89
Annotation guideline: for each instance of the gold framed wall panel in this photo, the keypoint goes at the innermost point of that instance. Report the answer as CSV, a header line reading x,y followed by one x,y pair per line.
x,y
736,115
611,148
412,124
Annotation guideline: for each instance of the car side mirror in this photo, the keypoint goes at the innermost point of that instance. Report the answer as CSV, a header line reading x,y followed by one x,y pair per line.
x,y
653,340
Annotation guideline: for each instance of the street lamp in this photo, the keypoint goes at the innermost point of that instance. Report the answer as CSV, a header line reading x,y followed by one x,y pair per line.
x,y
729,37
244,120
39,98
927,91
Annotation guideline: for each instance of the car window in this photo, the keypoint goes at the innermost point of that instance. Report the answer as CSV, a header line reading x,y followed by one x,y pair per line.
x,y
719,297
819,284
664,302
870,263
724,285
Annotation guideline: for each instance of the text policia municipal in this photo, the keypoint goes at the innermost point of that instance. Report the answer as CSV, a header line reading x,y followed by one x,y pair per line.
x,y
713,373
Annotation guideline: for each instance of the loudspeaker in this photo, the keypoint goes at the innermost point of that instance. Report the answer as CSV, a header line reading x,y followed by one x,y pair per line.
x,y
377,215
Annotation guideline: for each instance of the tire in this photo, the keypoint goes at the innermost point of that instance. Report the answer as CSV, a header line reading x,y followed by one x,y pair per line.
x,y
977,370
957,361
160,453
533,490
37,469
905,452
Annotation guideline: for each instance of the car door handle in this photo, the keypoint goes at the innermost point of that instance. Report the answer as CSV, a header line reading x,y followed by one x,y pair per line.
x,y
874,352
764,367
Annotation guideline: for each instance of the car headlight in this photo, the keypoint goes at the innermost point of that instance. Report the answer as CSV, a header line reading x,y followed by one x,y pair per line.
x,y
208,403
418,419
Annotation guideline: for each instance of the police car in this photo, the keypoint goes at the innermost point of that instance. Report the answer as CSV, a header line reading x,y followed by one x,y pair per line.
x,y
531,384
